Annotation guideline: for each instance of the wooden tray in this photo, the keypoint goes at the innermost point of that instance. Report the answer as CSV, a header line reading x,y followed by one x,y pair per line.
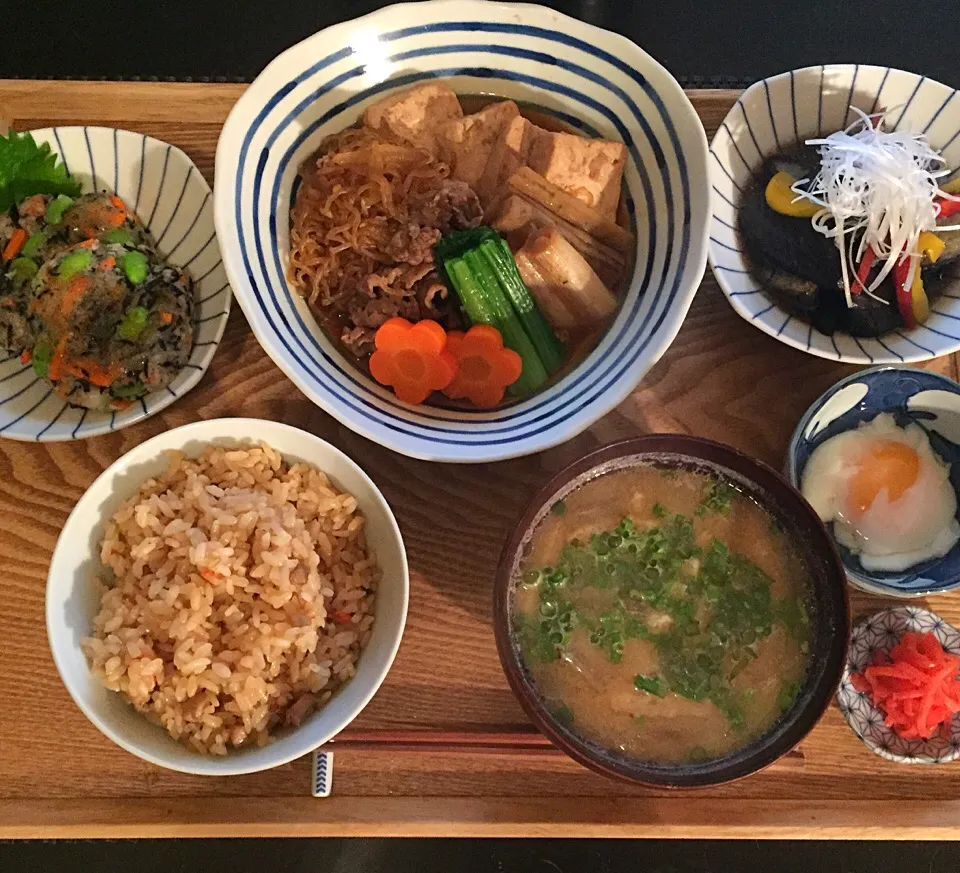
x,y
443,749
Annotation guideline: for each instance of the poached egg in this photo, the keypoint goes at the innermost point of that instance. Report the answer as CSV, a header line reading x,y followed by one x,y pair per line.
x,y
887,493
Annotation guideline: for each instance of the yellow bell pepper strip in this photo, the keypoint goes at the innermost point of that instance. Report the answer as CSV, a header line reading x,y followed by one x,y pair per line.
x,y
930,246
911,298
783,199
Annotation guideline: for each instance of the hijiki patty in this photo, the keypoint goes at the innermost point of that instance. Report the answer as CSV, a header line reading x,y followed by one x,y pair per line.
x,y
87,301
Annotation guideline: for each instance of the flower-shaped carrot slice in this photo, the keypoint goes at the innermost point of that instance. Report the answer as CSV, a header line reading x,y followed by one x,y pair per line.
x,y
412,358
484,367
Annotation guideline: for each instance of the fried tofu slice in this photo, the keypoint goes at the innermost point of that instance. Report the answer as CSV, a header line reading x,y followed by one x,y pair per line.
x,y
416,114
509,153
589,169
467,143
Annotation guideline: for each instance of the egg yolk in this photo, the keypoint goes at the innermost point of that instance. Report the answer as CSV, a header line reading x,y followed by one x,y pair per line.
x,y
886,464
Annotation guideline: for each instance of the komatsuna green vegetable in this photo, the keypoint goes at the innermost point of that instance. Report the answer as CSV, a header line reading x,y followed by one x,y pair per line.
x,y
484,277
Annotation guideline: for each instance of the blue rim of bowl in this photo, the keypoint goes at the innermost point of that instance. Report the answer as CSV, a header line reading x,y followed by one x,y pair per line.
x,y
680,250
858,581
862,357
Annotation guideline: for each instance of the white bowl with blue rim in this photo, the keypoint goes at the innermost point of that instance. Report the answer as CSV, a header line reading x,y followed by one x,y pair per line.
x,y
173,200
776,113
910,395
880,633
596,80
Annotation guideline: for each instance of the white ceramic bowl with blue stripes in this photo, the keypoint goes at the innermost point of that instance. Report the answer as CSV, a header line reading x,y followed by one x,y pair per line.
x,y
596,80
171,197
776,113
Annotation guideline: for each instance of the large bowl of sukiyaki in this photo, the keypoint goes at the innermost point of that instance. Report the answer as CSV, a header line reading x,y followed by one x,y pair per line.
x,y
836,212
671,612
465,229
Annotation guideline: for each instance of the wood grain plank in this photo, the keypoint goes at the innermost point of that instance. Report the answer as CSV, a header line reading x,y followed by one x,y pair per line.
x,y
721,377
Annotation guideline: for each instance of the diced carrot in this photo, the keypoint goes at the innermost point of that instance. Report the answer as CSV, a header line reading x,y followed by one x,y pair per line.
x,y
77,286
116,218
88,243
166,317
17,240
116,201
26,356
94,372
55,370
107,264
341,616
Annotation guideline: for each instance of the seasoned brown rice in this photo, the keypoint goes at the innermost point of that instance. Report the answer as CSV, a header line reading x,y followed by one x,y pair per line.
x,y
238,595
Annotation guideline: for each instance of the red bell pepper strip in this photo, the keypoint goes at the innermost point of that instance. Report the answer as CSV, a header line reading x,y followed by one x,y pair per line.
x,y
948,208
863,271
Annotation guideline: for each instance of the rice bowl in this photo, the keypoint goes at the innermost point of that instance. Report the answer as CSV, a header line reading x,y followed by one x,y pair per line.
x,y
239,606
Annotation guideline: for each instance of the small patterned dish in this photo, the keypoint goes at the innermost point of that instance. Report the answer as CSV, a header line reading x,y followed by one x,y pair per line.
x,y
775,113
174,201
881,632
911,395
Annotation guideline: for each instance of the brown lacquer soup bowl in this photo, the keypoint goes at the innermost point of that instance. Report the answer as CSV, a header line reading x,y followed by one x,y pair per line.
x,y
693,667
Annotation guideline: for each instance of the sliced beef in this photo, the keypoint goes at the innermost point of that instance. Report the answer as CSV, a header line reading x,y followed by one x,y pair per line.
x,y
413,245
454,207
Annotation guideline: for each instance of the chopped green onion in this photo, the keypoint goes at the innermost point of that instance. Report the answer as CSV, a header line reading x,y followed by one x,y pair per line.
x,y
559,508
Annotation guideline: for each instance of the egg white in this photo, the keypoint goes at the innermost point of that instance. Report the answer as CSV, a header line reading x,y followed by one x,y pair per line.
x,y
892,535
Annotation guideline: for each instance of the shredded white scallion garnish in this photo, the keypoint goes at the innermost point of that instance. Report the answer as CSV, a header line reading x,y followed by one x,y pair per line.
x,y
883,183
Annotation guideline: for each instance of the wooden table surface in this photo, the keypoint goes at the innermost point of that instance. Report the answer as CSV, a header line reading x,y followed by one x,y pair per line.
x,y
721,378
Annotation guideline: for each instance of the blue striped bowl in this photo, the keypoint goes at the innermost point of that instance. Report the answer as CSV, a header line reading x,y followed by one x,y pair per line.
x,y
173,200
776,113
596,80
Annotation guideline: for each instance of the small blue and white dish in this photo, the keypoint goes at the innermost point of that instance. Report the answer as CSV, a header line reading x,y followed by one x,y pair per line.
x,y
880,633
174,202
912,395
788,108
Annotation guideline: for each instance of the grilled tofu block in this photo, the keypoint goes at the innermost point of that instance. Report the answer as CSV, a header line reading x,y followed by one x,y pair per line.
x,y
415,115
466,143
589,169
509,153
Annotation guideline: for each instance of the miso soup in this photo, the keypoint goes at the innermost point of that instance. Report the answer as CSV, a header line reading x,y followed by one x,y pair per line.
x,y
662,613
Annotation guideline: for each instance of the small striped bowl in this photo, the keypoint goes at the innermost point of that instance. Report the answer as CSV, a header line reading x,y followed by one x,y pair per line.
x,y
173,200
776,113
588,77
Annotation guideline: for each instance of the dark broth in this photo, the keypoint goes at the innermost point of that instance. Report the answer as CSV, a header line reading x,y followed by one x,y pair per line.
x,y
578,343
663,614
